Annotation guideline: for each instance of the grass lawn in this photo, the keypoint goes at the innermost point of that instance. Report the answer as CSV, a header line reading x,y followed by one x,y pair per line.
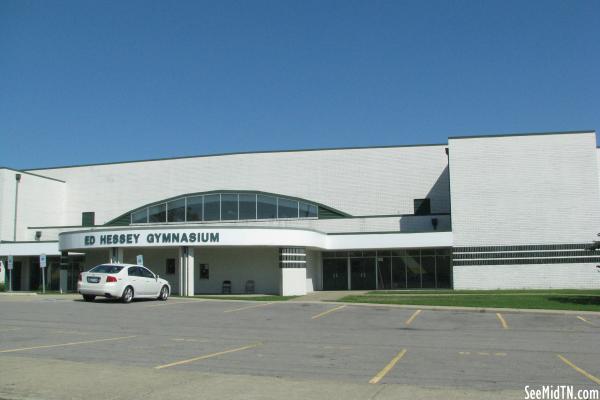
x,y
248,298
582,300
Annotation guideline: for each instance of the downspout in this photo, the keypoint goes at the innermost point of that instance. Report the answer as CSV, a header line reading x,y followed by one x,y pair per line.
x,y
17,180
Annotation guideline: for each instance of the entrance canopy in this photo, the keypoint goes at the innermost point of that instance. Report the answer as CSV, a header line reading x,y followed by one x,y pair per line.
x,y
246,236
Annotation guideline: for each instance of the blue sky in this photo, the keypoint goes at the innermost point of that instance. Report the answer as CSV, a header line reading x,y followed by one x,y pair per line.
x,y
103,81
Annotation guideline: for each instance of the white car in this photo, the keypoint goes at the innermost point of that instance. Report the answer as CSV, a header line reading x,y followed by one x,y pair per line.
x,y
122,281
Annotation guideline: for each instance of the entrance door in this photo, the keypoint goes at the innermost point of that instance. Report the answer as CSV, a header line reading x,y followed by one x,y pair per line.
x,y
362,273
16,275
335,274
35,277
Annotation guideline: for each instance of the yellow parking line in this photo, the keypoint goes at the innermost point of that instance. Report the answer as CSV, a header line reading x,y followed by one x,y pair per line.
x,y
502,320
251,346
324,313
67,344
248,307
581,371
388,367
586,321
412,317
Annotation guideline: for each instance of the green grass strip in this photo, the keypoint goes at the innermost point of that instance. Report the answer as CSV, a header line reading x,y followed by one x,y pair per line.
x,y
550,301
248,298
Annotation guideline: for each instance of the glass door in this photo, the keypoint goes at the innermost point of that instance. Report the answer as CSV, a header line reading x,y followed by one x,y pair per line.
x,y
384,273
362,272
335,274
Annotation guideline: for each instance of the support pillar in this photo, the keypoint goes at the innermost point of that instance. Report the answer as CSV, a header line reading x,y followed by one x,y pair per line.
x,y
186,271
292,264
63,274
116,255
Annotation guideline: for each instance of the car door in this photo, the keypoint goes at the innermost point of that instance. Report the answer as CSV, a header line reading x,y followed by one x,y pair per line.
x,y
150,282
136,280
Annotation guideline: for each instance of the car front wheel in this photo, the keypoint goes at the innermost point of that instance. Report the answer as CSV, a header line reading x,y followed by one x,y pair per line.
x,y
164,293
127,295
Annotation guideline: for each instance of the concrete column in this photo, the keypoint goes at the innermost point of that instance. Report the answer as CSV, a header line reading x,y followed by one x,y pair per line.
x,y
63,275
116,255
292,267
190,271
186,271
292,282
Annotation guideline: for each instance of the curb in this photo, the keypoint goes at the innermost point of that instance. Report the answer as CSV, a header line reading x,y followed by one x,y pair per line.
x,y
467,309
18,294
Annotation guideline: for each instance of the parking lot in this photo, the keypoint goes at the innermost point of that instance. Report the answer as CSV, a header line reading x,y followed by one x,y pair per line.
x,y
334,347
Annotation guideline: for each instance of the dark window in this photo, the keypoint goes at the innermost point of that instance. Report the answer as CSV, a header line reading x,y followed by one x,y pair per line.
x,y
87,218
134,271
428,272
146,273
212,207
422,206
226,207
287,208
247,206
308,210
170,266
158,213
106,269
412,262
229,206
398,273
204,271
194,208
140,217
267,207
176,211
443,272
384,273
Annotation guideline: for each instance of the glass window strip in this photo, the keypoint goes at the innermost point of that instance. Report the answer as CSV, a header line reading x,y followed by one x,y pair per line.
x,y
309,210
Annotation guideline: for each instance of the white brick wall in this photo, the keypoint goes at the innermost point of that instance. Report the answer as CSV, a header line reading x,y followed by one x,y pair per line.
x,y
41,202
356,181
382,224
518,190
537,189
533,276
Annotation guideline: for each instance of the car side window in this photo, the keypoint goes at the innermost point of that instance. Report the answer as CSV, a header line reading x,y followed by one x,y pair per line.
x,y
133,271
146,273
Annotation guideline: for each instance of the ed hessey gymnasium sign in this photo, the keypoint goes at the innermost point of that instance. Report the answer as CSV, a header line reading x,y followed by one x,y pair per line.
x,y
158,238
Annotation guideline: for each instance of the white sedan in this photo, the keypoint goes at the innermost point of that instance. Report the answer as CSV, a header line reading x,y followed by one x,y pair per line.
x,y
122,281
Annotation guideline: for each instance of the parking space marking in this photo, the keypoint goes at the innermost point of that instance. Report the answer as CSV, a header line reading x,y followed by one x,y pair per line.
x,y
412,317
324,313
581,371
481,353
190,360
173,303
248,307
586,321
388,367
189,340
67,344
502,321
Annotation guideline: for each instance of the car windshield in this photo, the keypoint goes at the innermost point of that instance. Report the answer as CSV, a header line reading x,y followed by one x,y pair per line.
x,y
106,269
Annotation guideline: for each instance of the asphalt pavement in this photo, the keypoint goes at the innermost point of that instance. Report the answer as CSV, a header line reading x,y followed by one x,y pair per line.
x,y
56,347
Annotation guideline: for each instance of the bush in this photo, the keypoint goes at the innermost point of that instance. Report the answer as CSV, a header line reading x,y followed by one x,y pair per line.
x,y
1,287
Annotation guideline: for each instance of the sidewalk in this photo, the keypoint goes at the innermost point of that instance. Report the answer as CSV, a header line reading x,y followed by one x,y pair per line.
x,y
325,295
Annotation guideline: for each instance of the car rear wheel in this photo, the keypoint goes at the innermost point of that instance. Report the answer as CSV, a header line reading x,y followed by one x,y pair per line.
x,y
88,297
127,295
164,293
